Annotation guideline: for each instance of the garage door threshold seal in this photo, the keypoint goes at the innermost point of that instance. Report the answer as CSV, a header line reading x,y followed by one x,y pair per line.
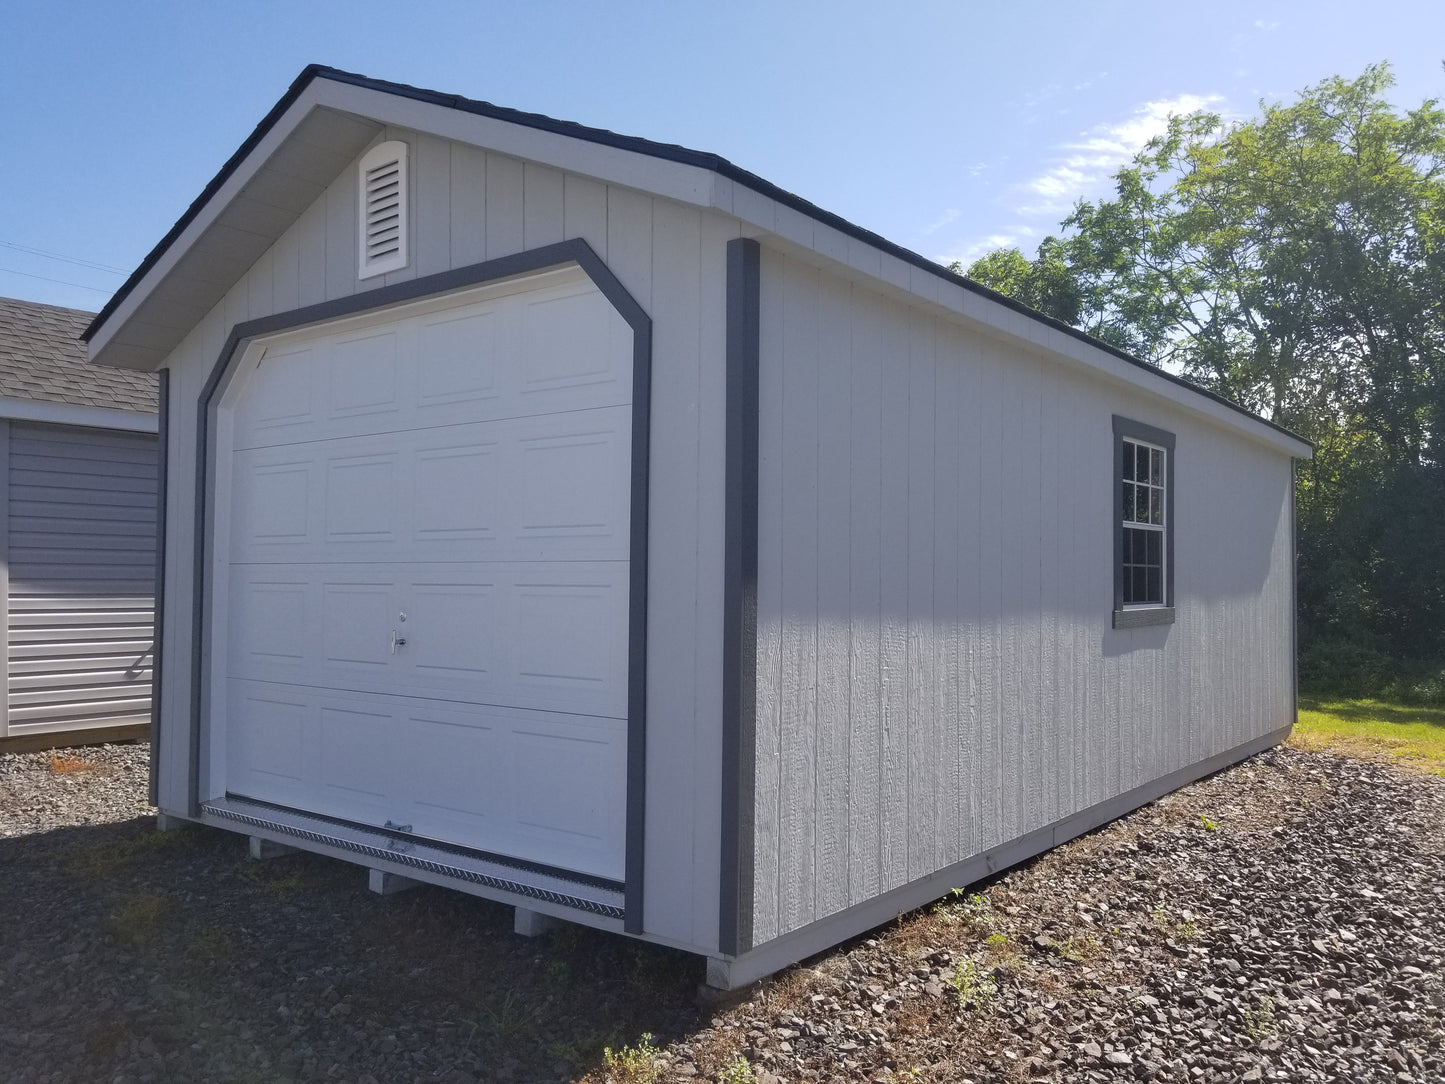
x,y
579,891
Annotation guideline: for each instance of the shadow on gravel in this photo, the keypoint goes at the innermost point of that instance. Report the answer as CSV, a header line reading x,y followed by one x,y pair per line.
x,y
129,953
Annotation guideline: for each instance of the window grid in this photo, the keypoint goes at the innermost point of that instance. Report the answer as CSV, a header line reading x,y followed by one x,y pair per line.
x,y
1144,492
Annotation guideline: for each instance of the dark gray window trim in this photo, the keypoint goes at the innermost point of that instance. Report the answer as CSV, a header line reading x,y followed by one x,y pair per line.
x,y
1142,617
538,259
740,598
158,621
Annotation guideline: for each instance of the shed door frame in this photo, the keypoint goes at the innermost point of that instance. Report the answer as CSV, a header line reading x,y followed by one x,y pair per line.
x,y
233,357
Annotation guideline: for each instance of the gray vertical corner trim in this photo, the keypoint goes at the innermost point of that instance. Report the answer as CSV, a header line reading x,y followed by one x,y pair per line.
x,y
1293,595
5,570
740,598
573,251
1159,615
163,430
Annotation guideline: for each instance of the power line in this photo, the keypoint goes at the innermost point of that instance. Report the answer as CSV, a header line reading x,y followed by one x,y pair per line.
x,y
44,278
64,259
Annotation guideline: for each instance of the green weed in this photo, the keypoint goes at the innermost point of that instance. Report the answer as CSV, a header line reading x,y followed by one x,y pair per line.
x,y
633,1064
974,985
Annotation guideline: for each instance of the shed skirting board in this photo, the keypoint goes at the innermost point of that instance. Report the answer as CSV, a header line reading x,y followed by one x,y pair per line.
x,y
735,972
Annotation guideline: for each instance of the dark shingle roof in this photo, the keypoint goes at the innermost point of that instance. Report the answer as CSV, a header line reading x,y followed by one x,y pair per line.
x,y
42,358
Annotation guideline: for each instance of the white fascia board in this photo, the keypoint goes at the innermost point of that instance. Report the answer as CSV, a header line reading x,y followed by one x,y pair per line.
x,y
30,410
205,218
858,258
613,165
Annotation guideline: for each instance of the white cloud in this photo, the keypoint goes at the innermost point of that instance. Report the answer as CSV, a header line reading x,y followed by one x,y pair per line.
x,y
1008,237
948,216
1088,162
1260,24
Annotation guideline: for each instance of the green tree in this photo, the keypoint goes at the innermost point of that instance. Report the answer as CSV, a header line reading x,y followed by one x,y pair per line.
x,y
1295,263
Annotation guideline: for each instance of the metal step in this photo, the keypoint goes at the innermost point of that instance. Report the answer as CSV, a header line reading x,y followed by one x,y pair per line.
x,y
592,894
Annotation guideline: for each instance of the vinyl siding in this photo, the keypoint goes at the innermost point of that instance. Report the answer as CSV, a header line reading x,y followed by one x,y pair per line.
x,y
937,668
471,205
81,542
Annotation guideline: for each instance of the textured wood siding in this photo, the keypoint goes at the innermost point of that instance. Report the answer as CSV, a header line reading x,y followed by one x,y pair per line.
x,y
81,543
937,671
471,205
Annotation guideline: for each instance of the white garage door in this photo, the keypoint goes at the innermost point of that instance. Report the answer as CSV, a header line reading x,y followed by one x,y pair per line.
x,y
426,537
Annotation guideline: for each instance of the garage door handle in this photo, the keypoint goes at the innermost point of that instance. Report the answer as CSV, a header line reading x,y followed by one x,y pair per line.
x,y
396,641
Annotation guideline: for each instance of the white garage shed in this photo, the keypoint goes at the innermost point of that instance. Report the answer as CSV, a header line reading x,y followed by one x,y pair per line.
x,y
588,524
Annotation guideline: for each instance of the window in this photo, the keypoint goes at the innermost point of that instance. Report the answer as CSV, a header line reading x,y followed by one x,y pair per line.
x,y
1143,525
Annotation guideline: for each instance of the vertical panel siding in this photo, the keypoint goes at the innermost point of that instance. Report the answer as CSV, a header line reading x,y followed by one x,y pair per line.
x,y
938,672
471,205
81,541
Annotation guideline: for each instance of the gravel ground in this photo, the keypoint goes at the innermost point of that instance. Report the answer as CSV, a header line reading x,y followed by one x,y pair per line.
x,y
1280,921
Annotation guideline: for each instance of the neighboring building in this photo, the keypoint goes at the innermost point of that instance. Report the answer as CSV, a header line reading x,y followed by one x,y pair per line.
x,y
78,500
588,524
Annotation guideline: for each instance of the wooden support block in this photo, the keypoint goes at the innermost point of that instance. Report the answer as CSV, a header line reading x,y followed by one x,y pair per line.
x,y
388,884
262,849
165,822
533,923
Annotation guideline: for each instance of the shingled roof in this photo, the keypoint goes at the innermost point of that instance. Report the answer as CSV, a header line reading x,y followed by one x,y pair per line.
x,y
43,359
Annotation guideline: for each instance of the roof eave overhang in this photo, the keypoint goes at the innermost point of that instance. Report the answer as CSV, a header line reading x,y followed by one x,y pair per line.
x,y
328,117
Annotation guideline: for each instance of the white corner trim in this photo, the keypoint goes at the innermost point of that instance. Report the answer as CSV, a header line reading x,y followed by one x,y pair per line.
x,y
29,410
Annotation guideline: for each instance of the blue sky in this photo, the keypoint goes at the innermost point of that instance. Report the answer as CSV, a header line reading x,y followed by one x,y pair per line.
x,y
950,128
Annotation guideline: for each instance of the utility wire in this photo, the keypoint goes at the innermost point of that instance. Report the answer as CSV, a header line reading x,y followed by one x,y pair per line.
x,y
63,259
62,282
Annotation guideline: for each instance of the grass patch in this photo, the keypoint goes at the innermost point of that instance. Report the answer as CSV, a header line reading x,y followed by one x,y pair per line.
x,y
1373,728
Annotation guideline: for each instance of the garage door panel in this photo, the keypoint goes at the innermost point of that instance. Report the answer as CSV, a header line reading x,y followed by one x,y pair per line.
x,y
272,502
511,358
268,634
357,621
361,501
280,399
458,361
576,819
457,494
528,784
363,378
356,753
452,633
560,350
521,489
266,746
570,478
568,652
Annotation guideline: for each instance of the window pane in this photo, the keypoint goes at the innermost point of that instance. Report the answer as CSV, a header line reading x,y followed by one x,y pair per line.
x,y
1128,501
1156,506
1129,460
1156,466
1140,577
1153,593
1141,471
1154,547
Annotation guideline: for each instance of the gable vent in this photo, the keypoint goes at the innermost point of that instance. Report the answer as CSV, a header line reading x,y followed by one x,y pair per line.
x,y
382,244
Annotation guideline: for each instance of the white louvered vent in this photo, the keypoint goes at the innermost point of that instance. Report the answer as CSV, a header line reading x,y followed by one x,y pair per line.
x,y
383,209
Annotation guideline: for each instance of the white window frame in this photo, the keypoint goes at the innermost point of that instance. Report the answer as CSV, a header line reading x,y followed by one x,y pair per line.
x,y
1129,435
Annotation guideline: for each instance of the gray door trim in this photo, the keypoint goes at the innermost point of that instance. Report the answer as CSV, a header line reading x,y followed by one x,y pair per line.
x,y
538,259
